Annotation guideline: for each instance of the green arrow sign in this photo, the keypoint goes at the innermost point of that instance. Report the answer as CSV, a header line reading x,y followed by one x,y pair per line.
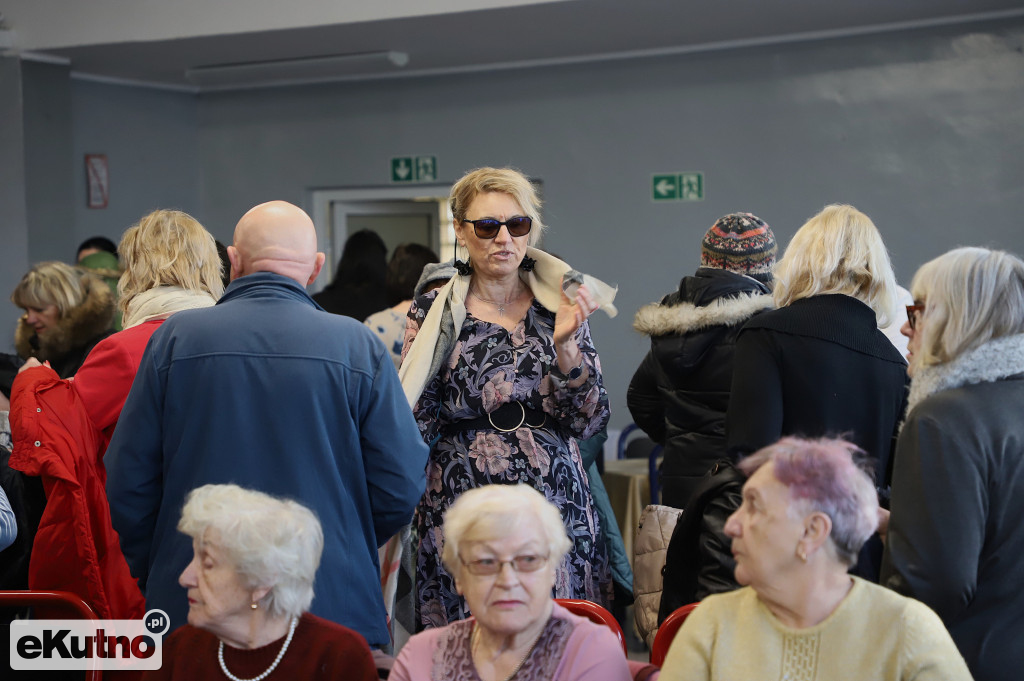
x,y
414,169
665,187
677,187
402,169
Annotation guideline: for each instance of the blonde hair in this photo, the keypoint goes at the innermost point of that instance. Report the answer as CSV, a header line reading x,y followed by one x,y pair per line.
x,y
168,248
502,180
271,542
839,250
493,511
52,283
970,296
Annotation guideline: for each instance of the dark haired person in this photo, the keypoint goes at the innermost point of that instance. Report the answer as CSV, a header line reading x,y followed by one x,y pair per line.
x,y
404,270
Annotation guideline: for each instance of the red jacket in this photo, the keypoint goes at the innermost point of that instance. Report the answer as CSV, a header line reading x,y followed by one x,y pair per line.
x,y
61,429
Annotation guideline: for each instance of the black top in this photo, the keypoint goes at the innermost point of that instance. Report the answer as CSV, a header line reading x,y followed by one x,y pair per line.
x,y
680,393
817,367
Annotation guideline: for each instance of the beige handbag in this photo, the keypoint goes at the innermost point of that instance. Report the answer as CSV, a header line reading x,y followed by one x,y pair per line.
x,y
649,549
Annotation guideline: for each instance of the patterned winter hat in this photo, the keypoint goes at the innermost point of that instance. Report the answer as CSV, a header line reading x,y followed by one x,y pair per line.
x,y
741,243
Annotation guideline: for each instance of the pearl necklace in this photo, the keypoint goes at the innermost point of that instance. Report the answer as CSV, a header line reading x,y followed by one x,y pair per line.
x,y
498,304
273,665
475,639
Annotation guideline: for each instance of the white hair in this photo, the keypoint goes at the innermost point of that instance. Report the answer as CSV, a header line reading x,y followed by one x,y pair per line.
x,y
271,542
493,511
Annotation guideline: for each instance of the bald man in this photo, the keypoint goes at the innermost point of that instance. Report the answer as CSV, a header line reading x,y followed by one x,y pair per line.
x,y
268,391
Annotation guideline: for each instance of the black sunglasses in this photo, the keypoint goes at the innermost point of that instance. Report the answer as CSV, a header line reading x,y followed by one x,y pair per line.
x,y
488,228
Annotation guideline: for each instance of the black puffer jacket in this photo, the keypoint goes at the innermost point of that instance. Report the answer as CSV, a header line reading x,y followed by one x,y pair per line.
x,y
680,394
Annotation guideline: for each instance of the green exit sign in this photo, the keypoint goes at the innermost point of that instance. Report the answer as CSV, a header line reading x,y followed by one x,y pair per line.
x,y
414,169
677,186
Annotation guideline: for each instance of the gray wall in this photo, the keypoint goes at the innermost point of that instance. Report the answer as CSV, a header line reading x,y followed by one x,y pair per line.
x,y
918,129
13,220
48,190
150,140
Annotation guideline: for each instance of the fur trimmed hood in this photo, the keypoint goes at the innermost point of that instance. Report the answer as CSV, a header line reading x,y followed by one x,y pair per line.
x,y
657,319
76,328
992,361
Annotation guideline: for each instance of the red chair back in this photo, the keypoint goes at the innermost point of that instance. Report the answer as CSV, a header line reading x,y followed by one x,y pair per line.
x,y
55,603
595,613
667,631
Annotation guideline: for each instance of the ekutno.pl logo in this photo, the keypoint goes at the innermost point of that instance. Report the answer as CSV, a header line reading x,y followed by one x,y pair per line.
x,y
89,644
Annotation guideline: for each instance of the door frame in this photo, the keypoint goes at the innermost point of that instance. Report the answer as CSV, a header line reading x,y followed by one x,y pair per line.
x,y
323,201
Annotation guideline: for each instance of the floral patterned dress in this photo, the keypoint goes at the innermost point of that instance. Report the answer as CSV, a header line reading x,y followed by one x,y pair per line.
x,y
490,367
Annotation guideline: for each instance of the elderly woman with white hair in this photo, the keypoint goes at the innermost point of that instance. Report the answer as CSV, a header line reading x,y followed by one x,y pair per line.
x,y
807,509
502,544
250,584
955,537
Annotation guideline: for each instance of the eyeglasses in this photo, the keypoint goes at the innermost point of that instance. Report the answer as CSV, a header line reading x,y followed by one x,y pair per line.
x,y
488,228
914,313
492,566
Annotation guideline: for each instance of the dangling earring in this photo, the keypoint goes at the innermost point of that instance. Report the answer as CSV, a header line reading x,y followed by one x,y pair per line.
x,y
254,605
462,268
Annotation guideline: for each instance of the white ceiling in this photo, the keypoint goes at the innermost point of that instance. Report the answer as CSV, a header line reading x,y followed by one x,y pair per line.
x,y
160,42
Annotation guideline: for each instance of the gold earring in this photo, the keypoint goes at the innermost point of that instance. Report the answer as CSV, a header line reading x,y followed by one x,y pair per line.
x,y
254,605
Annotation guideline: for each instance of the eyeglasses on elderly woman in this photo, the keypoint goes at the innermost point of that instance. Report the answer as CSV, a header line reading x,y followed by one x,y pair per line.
x,y
492,566
488,228
914,313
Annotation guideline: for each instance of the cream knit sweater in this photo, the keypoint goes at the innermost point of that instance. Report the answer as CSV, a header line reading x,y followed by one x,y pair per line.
x,y
874,635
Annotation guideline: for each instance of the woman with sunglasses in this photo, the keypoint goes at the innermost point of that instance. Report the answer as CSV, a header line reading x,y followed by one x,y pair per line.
x,y
955,539
502,544
503,379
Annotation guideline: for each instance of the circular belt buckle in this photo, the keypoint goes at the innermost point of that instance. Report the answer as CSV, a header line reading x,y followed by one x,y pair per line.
x,y
522,419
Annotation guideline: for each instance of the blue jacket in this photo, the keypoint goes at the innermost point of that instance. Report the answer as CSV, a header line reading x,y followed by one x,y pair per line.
x,y
267,391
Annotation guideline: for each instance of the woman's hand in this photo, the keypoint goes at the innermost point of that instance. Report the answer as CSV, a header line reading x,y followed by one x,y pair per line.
x,y
33,362
568,319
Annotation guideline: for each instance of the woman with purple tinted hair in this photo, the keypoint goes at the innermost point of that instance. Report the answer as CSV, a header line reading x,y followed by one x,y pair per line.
x,y
808,507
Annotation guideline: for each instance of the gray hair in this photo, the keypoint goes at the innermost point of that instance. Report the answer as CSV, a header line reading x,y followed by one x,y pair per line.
x,y
493,511
271,542
970,296
827,476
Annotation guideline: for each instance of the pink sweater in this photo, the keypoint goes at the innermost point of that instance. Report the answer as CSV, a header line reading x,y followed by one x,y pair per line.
x,y
586,652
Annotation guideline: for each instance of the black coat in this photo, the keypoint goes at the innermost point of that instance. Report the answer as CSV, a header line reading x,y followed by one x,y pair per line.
x,y
680,393
956,540
817,367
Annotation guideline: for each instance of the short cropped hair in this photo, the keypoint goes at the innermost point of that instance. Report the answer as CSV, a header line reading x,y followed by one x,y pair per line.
x,y
828,476
52,283
970,296
168,248
493,511
272,542
502,180
404,270
839,250
100,243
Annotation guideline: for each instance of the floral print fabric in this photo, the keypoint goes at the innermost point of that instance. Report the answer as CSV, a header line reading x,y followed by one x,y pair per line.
x,y
489,367
453,657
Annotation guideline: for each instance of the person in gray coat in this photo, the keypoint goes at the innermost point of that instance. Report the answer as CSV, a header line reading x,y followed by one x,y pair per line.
x,y
955,538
